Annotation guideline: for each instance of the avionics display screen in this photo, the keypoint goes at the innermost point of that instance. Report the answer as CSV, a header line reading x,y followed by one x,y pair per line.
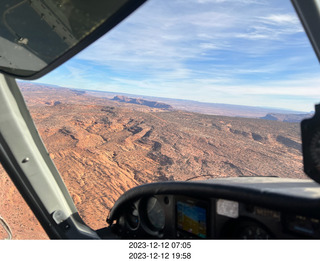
x,y
192,218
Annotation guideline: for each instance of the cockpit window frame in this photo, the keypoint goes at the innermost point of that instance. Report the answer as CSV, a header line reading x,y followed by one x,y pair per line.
x,y
101,30
309,15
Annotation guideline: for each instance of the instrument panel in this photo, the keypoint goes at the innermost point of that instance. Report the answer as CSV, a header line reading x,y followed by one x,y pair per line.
x,y
194,211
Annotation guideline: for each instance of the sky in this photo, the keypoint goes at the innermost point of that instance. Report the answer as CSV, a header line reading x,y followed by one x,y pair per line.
x,y
245,52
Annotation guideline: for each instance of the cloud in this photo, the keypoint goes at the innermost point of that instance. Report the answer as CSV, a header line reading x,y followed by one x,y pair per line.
x,y
222,50
274,27
176,33
281,19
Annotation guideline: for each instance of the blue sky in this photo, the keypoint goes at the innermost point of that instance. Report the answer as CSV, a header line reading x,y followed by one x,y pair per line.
x,y
248,52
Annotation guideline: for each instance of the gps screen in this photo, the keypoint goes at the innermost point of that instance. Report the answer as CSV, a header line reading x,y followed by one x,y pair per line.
x,y
192,218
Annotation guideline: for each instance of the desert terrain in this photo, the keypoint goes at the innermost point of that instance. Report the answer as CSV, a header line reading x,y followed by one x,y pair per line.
x,y
103,147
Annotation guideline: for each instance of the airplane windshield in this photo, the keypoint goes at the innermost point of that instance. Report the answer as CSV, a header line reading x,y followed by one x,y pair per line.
x,y
180,91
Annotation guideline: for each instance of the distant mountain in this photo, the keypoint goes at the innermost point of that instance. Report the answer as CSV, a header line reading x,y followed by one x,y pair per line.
x,y
201,107
151,104
286,117
175,104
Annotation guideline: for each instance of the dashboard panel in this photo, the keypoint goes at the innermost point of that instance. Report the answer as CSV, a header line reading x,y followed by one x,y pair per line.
x,y
231,208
